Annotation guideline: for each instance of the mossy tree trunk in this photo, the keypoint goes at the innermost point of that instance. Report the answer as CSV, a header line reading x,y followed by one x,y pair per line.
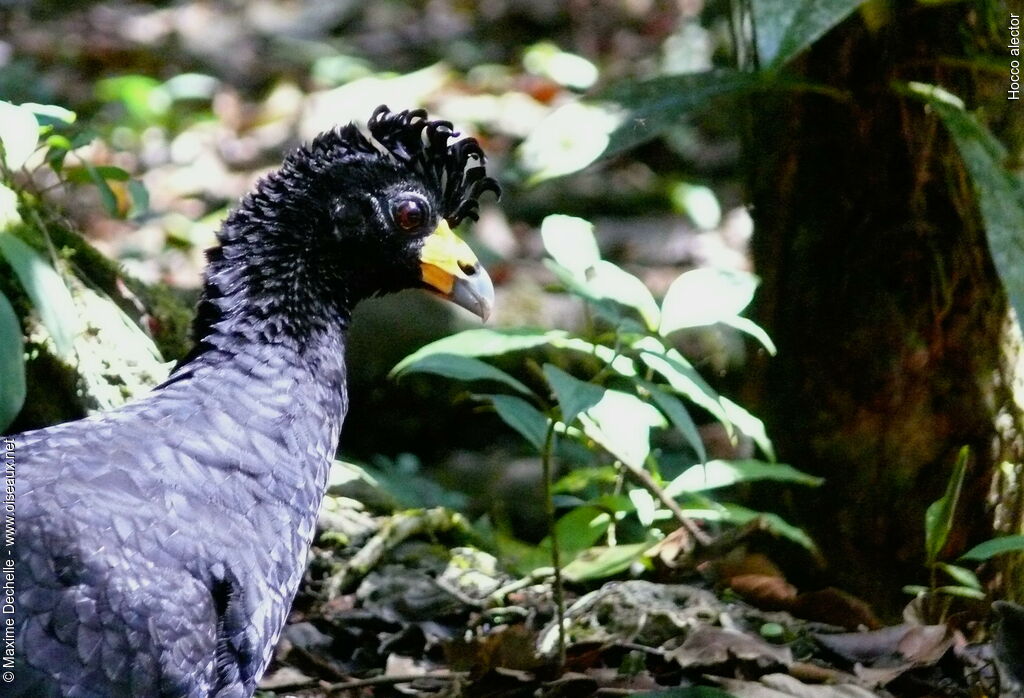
x,y
895,343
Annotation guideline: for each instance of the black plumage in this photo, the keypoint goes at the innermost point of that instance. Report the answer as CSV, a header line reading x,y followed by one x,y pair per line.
x,y
159,546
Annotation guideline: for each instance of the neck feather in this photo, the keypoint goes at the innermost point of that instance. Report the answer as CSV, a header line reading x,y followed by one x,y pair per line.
x,y
264,281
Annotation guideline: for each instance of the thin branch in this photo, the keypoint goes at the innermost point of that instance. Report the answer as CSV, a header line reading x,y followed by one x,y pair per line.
x,y
644,479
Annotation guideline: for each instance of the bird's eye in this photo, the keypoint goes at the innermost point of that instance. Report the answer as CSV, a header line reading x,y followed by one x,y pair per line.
x,y
410,214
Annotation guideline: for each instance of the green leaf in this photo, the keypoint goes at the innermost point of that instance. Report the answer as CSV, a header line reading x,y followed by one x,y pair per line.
x,y
722,473
606,308
87,173
773,522
960,575
570,242
46,288
999,189
526,419
597,563
567,140
704,297
49,114
55,140
480,342
680,418
140,198
639,110
579,529
107,196
143,97
964,592
578,479
621,364
546,59
82,139
464,368
59,142
621,423
698,202
632,112
609,282
59,146
938,519
19,134
12,364
749,425
573,395
754,330
995,546
786,28
683,378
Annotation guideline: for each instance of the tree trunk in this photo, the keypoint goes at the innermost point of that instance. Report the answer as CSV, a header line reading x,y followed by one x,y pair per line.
x,y
878,288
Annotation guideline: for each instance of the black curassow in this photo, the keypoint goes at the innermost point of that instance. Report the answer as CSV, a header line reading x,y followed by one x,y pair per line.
x,y
159,545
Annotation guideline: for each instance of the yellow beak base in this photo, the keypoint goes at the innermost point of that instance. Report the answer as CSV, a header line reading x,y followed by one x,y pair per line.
x,y
449,269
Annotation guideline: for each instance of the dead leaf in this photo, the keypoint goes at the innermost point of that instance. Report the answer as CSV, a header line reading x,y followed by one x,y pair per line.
x,y
714,647
785,686
916,645
924,645
737,562
502,648
674,548
766,592
815,673
881,676
835,607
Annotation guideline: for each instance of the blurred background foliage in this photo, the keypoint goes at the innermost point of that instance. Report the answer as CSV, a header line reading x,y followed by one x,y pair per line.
x,y
637,142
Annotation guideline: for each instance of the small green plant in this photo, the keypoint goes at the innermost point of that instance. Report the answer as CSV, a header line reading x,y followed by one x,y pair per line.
x,y
939,520
605,394
40,151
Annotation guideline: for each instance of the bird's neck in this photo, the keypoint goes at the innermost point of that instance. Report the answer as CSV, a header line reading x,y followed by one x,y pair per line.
x,y
270,335
265,281
280,408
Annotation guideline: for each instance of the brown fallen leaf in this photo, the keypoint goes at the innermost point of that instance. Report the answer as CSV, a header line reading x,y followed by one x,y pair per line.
x,y
768,593
835,607
503,648
737,562
919,645
925,644
709,647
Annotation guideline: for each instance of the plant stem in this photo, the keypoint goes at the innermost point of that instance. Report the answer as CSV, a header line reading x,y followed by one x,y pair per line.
x,y
556,557
647,482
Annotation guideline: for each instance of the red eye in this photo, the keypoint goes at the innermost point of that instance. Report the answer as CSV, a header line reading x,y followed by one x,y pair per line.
x,y
410,214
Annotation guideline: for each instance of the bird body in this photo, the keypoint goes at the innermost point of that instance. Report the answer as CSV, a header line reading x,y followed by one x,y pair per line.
x,y
159,546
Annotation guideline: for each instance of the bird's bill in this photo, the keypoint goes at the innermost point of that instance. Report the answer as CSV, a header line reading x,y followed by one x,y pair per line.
x,y
449,269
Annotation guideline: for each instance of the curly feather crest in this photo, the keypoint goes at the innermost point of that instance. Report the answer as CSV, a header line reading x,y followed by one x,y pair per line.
x,y
456,170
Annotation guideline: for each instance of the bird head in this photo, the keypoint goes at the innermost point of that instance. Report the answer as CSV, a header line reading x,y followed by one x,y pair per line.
x,y
393,200
346,217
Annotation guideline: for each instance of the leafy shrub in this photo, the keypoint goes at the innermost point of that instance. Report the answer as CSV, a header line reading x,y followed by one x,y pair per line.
x,y
643,384
41,150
